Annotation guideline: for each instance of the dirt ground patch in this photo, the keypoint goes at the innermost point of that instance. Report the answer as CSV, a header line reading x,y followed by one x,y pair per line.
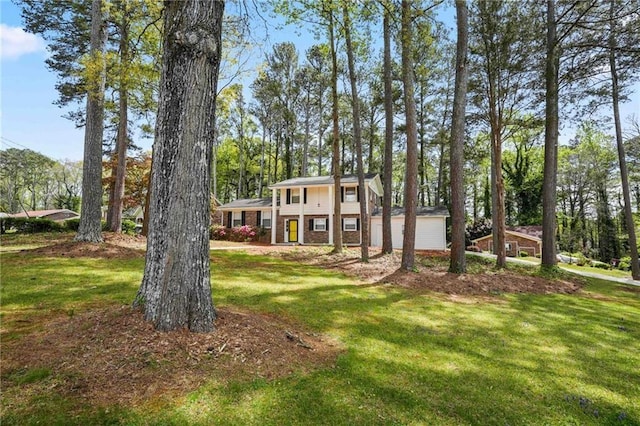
x,y
385,270
112,356
115,246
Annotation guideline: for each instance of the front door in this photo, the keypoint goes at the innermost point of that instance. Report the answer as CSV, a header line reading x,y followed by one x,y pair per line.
x,y
293,230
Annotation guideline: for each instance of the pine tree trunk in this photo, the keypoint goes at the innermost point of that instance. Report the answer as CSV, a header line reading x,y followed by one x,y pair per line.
x,y
387,241
550,143
633,245
176,289
335,160
90,227
457,262
357,135
411,171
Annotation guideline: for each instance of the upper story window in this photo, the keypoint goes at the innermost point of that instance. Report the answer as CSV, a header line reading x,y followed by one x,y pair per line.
x,y
350,194
293,196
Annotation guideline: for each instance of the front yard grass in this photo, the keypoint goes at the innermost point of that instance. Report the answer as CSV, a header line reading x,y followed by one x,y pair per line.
x,y
410,357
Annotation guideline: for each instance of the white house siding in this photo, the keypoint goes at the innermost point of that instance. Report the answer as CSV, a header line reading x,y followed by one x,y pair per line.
x,y
430,232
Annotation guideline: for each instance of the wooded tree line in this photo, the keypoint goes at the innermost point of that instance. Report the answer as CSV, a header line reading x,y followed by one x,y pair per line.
x,y
324,113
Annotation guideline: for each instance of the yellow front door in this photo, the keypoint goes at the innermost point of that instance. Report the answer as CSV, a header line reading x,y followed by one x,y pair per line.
x,y
293,230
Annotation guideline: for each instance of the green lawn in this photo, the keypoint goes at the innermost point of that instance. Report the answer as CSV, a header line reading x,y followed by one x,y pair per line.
x,y
411,358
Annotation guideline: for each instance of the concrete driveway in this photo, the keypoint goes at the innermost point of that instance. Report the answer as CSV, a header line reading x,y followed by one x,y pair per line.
x,y
628,281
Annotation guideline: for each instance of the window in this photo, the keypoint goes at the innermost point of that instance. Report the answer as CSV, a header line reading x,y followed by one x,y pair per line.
x,y
266,219
350,195
237,219
295,196
319,224
350,224
507,246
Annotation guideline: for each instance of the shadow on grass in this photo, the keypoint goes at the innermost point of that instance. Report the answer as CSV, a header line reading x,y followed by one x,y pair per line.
x,y
411,358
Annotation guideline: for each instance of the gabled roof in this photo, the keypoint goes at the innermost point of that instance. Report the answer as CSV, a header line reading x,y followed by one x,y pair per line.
x,y
434,211
43,213
531,230
320,180
247,204
514,233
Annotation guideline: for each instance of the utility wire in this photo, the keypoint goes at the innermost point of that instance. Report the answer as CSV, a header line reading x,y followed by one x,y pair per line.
x,y
9,141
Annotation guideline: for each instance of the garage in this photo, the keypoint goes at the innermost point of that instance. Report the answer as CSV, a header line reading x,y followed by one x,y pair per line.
x,y
431,228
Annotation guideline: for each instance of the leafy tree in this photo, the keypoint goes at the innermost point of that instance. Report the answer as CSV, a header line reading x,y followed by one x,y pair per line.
x,y
503,34
176,290
523,173
26,180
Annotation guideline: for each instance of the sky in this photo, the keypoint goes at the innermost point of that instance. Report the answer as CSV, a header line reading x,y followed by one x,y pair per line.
x,y
29,118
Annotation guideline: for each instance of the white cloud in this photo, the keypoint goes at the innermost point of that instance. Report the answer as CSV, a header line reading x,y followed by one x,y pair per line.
x,y
15,42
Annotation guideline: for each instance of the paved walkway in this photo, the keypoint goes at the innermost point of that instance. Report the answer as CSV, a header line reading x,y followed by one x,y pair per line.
x,y
628,281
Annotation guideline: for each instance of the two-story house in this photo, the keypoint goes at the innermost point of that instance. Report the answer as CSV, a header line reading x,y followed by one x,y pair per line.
x,y
300,210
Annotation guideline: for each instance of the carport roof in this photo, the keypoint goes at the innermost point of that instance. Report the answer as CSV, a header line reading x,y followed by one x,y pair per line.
x,y
435,211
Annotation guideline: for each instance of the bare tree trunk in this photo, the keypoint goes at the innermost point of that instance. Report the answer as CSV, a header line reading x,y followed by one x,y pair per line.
x,y
90,227
335,160
550,143
411,171
458,263
357,135
387,241
260,182
498,215
176,289
633,245
122,140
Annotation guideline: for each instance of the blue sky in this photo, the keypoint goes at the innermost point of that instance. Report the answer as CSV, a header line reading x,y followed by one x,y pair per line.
x,y
29,119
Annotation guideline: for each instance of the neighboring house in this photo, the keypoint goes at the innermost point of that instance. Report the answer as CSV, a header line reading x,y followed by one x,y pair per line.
x,y
134,214
253,212
515,243
300,210
431,228
58,215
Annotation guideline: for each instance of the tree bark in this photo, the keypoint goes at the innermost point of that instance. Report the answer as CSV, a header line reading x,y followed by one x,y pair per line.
x,y
457,262
122,143
550,142
90,227
387,241
176,289
357,135
411,171
615,95
335,160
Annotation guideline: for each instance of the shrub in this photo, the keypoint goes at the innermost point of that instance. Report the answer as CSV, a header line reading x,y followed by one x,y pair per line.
x,y
581,259
218,232
600,265
128,227
30,225
72,224
524,253
243,233
625,264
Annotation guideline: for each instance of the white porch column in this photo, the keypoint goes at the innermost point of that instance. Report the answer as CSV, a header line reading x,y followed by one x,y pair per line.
x,y
330,204
301,225
274,221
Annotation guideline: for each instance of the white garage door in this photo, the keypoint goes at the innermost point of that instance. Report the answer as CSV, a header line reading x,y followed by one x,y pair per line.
x,y
430,232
